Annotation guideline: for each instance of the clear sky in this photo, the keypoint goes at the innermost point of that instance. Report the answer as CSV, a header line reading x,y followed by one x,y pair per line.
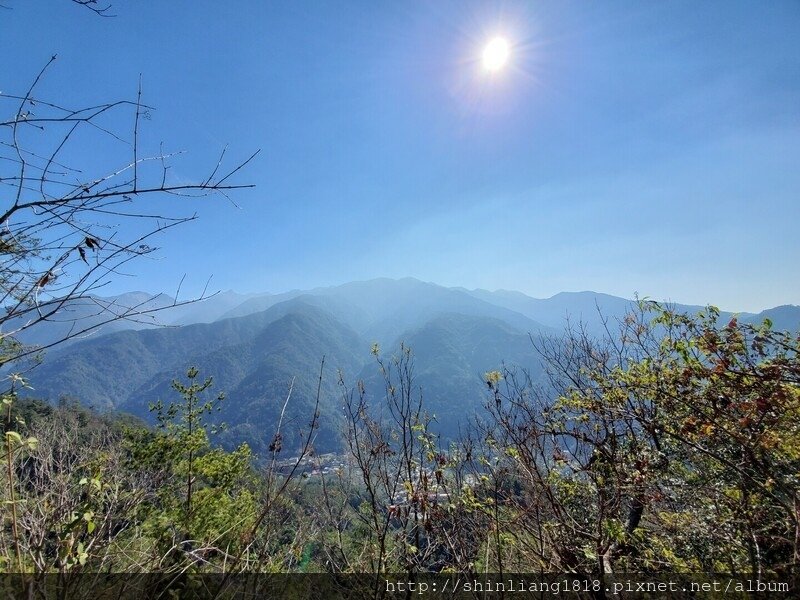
x,y
649,147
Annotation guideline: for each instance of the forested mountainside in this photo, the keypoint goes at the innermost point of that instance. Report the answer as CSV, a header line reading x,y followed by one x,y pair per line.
x,y
278,341
669,447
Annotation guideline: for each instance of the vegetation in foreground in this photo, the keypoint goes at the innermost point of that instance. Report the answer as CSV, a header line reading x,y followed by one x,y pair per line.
x,y
670,445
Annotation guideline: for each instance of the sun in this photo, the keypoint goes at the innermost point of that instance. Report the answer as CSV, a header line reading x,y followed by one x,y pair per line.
x,y
495,54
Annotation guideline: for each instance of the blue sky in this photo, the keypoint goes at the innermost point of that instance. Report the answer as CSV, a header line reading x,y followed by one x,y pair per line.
x,y
627,147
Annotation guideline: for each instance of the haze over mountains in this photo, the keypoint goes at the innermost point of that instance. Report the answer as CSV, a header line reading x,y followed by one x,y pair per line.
x,y
256,346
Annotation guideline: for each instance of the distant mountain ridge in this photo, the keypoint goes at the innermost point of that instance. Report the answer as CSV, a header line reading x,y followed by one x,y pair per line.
x,y
98,315
378,308
266,344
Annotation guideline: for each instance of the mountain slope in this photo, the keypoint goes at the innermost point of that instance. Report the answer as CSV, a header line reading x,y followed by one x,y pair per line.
x,y
256,376
381,309
104,371
784,318
87,313
452,353
591,308
456,336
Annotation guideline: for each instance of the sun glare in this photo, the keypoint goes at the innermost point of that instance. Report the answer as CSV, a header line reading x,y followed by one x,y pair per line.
x,y
495,54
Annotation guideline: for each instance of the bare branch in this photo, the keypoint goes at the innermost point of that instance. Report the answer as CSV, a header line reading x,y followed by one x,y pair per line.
x,y
95,8
66,232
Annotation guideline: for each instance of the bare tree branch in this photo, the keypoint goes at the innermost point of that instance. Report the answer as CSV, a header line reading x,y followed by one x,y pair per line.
x,y
66,233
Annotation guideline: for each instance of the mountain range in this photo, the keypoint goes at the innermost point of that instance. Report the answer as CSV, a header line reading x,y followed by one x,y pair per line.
x,y
257,347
